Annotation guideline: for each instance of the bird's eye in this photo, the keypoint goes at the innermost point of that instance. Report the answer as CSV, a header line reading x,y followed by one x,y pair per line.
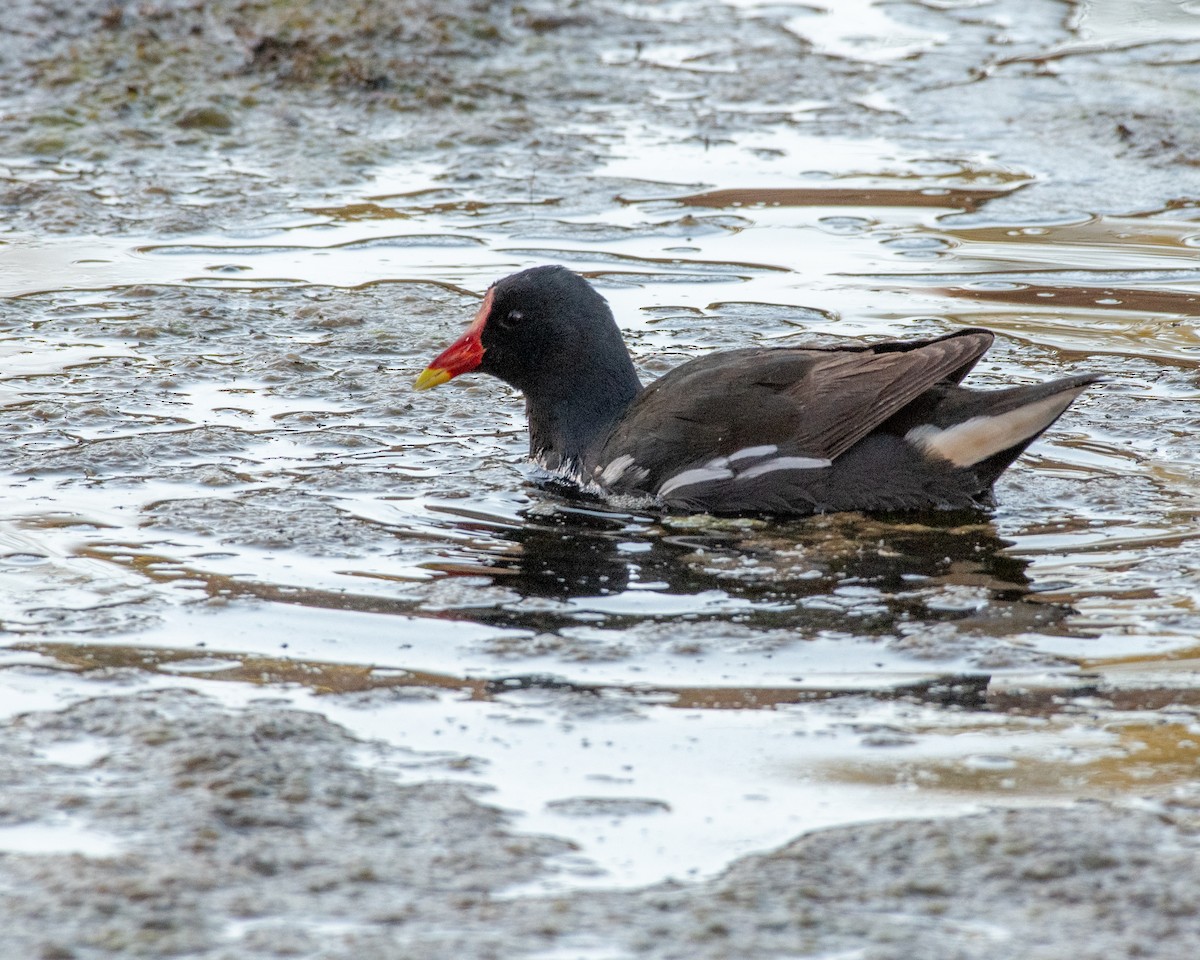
x,y
510,319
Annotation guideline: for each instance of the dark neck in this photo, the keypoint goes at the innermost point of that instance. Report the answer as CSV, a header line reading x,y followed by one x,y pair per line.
x,y
569,418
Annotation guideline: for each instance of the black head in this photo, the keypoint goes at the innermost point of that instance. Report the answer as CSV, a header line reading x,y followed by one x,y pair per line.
x,y
541,330
545,325
553,337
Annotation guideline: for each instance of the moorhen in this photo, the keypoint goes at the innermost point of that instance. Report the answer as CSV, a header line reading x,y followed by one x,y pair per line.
x,y
784,430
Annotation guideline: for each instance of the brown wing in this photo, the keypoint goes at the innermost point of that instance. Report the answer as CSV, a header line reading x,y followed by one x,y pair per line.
x,y
806,402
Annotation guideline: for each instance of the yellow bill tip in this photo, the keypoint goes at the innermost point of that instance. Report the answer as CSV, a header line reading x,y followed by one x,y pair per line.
x,y
431,377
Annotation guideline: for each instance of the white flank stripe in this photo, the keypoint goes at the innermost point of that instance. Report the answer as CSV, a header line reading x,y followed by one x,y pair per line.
x,y
691,477
785,463
764,451
972,441
614,470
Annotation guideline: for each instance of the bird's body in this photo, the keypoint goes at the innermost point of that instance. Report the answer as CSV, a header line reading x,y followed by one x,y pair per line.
x,y
783,430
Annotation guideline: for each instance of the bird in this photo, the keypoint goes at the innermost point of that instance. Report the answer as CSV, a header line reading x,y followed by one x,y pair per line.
x,y
786,430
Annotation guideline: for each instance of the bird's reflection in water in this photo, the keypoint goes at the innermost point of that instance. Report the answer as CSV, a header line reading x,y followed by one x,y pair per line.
x,y
570,554
845,571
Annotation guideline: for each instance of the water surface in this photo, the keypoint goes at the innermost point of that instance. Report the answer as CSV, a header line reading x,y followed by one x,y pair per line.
x,y
217,477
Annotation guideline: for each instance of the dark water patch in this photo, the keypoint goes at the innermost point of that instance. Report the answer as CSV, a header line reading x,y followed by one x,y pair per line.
x,y
687,227
607,806
187,250
1090,334
367,210
414,240
441,205
1120,299
1017,277
664,268
328,678
950,198
245,283
762,314
167,570
397,241
24,170
1144,756
636,278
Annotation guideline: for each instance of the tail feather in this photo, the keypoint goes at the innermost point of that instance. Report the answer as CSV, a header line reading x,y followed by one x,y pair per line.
x,y
987,430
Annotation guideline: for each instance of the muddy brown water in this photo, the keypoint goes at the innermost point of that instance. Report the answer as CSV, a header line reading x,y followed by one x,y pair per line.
x,y
218,480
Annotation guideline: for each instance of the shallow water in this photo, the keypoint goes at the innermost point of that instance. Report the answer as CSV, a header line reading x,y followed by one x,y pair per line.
x,y
218,477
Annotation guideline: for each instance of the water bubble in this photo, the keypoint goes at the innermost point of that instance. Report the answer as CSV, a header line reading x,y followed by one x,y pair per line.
x,y
917,243
845,226
918,247
23,559
995,285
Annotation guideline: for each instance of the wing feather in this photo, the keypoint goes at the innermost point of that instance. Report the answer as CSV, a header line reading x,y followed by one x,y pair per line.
x,y
807,402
